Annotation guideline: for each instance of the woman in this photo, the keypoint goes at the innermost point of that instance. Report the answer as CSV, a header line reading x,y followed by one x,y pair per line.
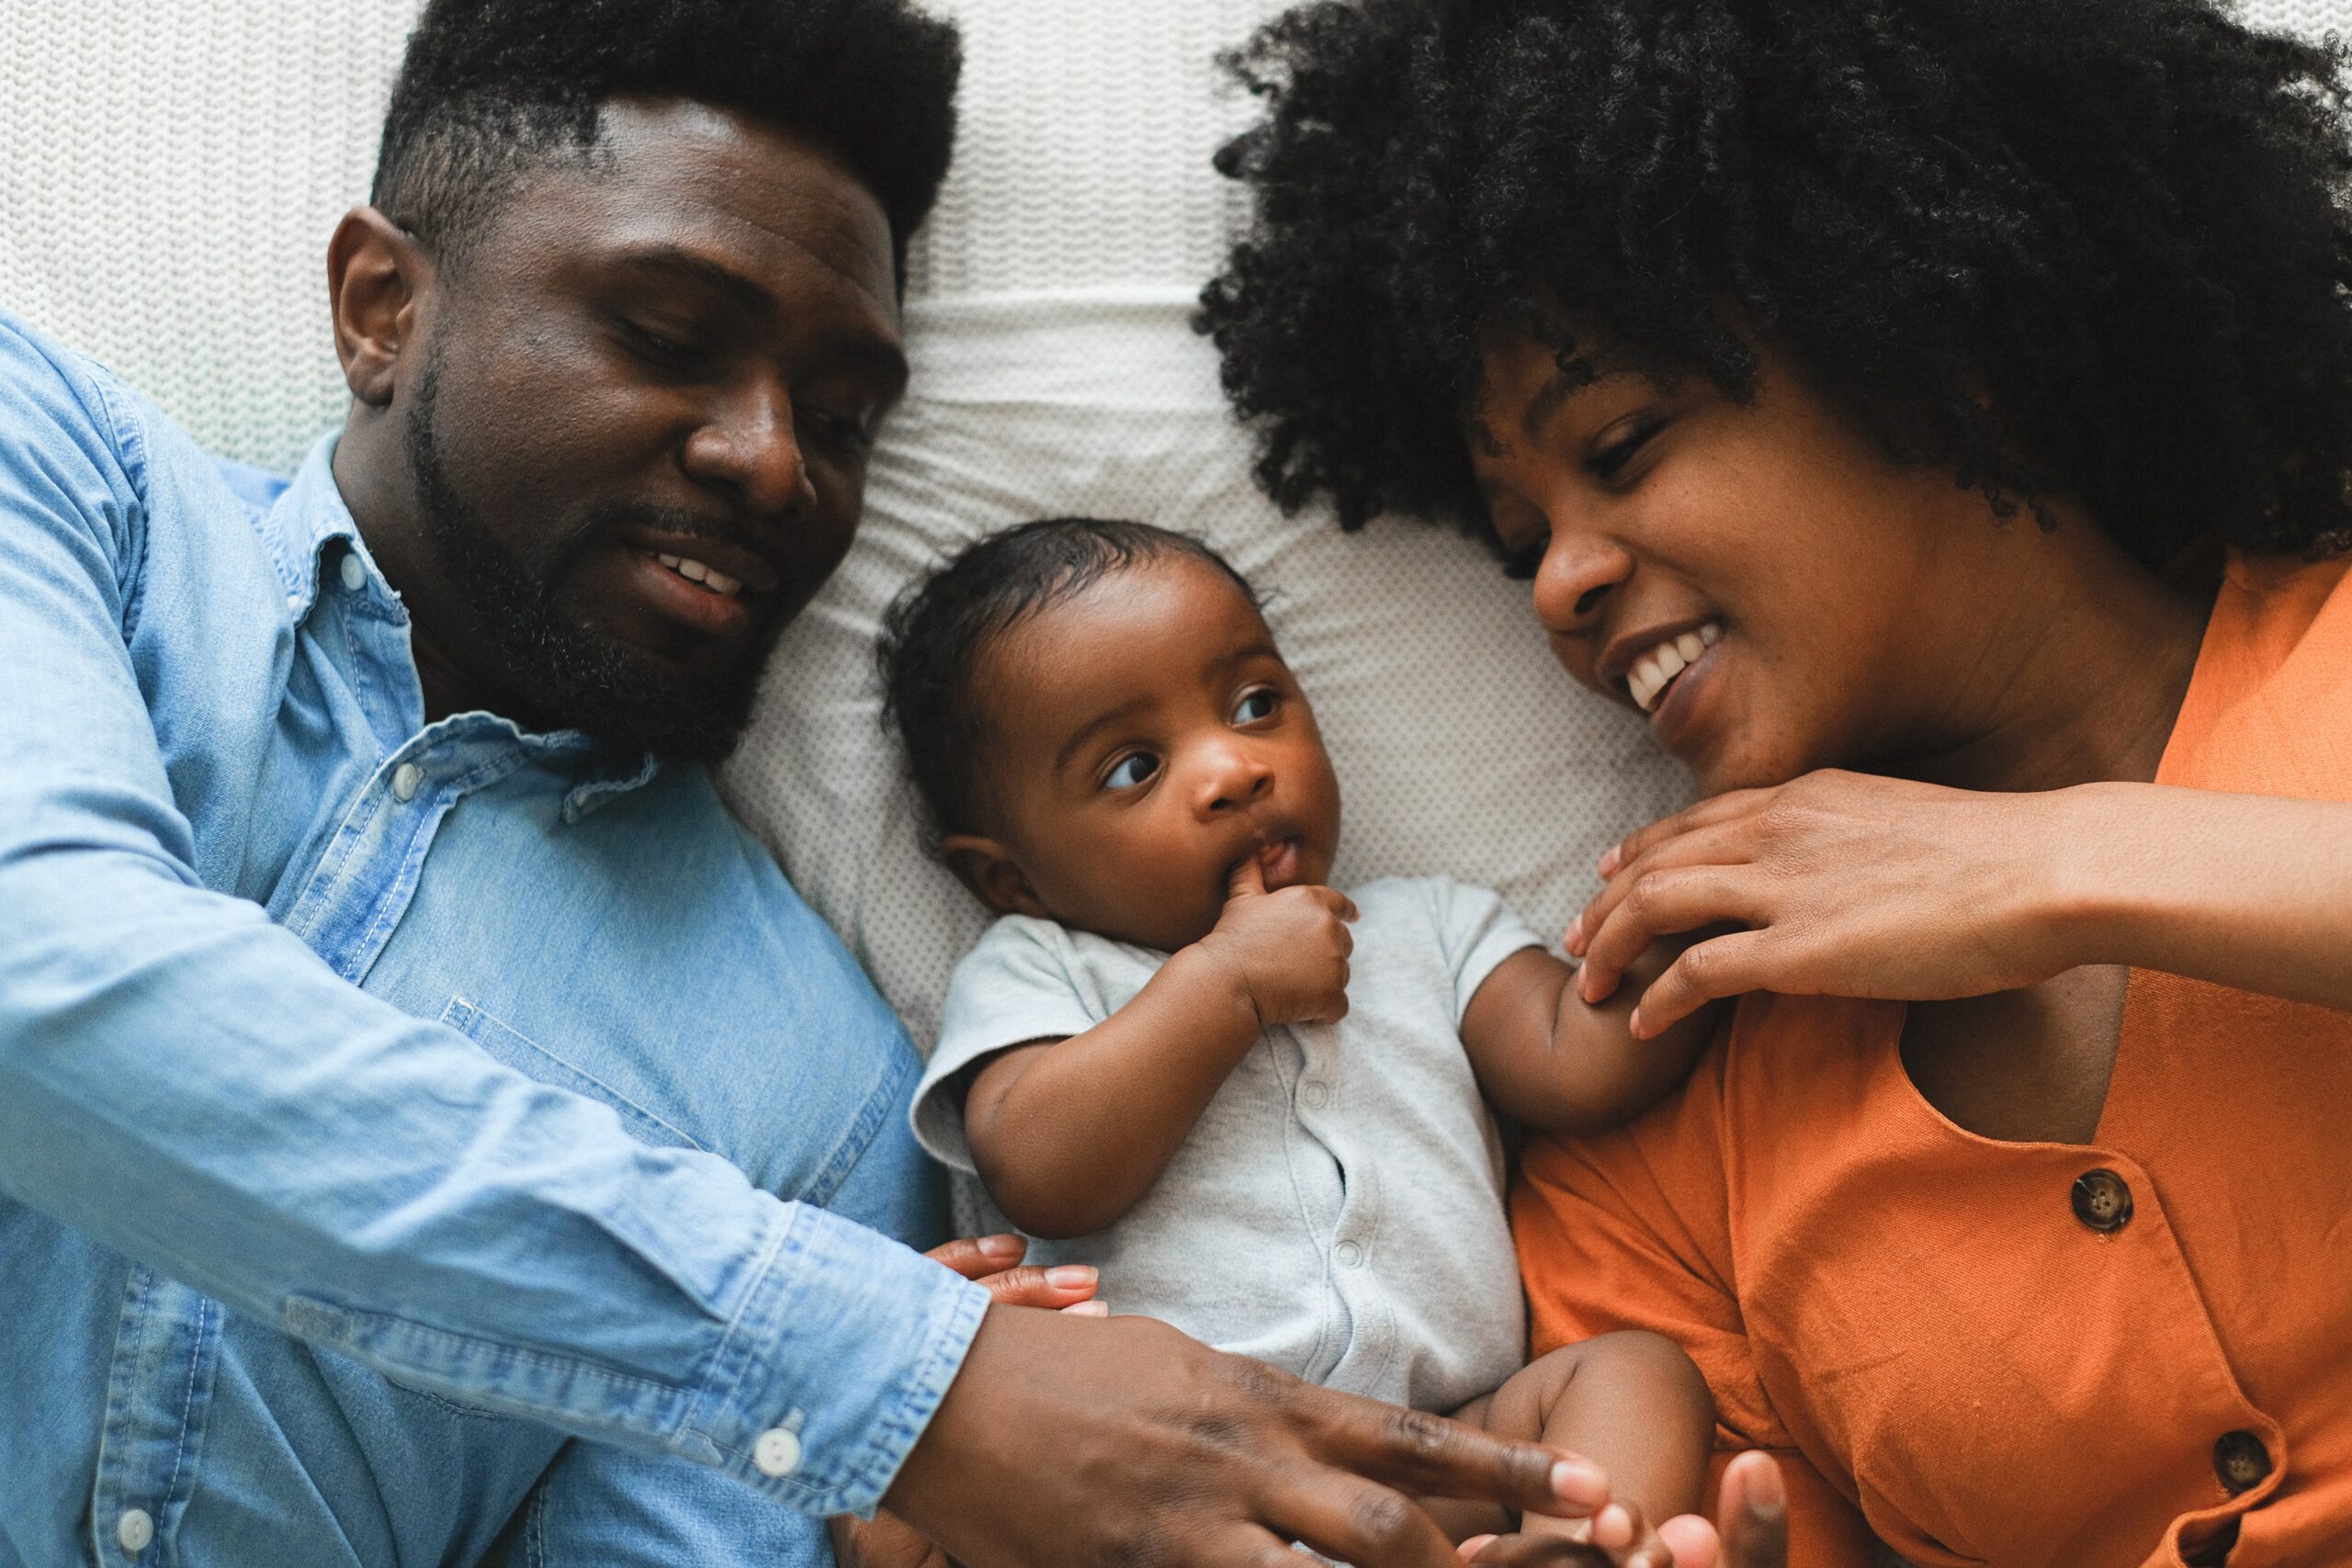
x,y
1957,392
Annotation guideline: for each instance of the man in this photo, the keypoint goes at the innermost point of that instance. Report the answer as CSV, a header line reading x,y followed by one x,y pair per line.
x,y
430,1129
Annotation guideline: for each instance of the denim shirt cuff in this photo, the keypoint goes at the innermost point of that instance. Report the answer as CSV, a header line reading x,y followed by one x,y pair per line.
x,y
845,1345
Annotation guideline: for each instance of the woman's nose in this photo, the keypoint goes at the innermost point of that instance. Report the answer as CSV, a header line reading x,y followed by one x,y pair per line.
x,y
1574,580
750,450
1231,777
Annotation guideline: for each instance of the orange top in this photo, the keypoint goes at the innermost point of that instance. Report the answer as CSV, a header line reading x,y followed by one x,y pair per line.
x,y
2096,1355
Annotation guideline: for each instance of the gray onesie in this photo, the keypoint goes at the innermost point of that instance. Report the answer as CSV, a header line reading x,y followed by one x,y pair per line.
x,y
1338,1210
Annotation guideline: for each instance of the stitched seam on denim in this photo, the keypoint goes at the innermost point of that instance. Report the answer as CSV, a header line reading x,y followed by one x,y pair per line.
x,y
767,1277
871,1116
934,1369
127,438
472,1010
351,1344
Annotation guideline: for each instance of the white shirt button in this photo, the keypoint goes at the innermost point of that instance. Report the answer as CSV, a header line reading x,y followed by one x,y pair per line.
x,y
405,778
777,1453
1350,1255
135,1529
1315,1096
355,576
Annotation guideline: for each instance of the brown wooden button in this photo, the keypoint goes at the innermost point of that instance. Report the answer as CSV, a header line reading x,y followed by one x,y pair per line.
x,y
2102,1202
2241,1460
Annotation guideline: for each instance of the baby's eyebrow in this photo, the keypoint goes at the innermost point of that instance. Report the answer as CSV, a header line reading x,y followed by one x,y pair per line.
x,y
1092,726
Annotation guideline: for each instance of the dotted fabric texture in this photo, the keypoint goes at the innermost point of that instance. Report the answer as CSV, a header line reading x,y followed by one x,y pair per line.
x,y
171,172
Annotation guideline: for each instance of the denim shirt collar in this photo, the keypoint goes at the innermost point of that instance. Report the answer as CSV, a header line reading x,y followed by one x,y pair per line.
x,y
302,530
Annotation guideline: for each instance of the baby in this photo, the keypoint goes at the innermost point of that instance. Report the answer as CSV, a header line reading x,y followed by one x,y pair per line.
x,y
1261,1101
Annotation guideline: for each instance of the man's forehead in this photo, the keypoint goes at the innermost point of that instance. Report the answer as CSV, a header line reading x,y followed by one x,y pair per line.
x,y
674,175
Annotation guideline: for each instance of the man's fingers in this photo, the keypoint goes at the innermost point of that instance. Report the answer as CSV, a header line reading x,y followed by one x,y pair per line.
x,y
974,1256
1359,1522
1432,1457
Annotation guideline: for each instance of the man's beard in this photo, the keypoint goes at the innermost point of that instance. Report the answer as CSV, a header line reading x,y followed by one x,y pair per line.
x,y
586,680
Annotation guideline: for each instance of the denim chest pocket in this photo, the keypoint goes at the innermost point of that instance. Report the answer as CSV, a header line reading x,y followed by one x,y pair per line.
x,y
527,1056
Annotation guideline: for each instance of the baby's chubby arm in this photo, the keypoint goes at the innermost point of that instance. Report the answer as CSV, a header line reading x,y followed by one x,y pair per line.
x,y
1069,1134
1549,1060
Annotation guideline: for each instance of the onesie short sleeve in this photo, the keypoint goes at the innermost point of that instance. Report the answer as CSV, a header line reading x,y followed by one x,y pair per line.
x,y
1026,980
1476,930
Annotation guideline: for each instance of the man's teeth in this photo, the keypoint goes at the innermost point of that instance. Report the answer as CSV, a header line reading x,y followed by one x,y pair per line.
x,y
1656,670
694,572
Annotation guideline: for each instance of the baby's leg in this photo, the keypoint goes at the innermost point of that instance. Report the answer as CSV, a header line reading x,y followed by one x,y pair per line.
x,y
1632,1403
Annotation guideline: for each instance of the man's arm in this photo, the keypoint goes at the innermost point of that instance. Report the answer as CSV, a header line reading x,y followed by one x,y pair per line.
x,y
189,1084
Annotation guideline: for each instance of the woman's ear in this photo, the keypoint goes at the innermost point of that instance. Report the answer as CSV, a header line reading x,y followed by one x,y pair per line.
x,y
988,868
378,273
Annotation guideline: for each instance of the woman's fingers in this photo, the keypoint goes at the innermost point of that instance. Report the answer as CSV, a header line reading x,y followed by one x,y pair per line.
x,y
1532,1551
1754,1514
975,1257
1731,965
1666,901
990,1261
1706,813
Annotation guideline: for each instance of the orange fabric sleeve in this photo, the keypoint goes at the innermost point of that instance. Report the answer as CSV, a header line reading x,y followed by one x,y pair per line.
x,y
1630,1230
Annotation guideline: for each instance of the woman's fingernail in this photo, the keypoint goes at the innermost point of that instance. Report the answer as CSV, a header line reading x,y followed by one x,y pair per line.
x,y
1476,1544
1765,1491
1609,862
1089,1309
1635,1026
1575,1481
1000,1246
1070,1276
1574,941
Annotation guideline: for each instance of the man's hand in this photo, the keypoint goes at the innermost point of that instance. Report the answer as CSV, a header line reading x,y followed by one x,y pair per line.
x,y
885,1541
1286,951
1122,1443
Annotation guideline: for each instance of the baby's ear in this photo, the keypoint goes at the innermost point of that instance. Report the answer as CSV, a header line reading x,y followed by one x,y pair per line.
x,y
988,868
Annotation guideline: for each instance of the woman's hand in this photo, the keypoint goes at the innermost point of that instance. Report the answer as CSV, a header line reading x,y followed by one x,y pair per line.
x,y
1750,1529
886,1541
1837,884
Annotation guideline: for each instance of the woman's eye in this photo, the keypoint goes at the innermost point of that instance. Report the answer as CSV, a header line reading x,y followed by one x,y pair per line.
x,y
1134,768
1610,458
1255,705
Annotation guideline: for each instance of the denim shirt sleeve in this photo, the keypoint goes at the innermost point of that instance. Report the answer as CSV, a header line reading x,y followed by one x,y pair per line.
x,y
190,1084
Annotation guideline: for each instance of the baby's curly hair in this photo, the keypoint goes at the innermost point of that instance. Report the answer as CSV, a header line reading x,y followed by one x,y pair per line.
x,y
2096,248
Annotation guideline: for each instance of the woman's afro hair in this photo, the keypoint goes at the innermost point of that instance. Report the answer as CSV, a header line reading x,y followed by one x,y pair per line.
x,y
492,88
2087,248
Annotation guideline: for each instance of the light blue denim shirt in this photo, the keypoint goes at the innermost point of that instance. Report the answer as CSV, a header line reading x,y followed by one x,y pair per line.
x,y
385,1107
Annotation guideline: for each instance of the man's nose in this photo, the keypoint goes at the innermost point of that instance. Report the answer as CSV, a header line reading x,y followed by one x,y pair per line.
x,y
1574,580
750,449
1232,774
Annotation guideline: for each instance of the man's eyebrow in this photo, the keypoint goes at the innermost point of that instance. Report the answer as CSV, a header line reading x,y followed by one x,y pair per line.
x,y
685,267
1093,726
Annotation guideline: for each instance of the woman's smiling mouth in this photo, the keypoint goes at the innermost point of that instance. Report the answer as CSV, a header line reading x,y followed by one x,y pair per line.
x,y
1660,666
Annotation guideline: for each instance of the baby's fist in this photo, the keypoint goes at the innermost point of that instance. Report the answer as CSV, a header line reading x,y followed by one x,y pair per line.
x,y
1287,951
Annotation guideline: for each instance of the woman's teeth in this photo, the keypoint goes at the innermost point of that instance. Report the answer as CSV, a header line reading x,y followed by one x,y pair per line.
x,y
695,571
1653,671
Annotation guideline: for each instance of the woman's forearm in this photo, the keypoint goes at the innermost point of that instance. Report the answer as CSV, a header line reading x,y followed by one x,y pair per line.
x,y
2249,891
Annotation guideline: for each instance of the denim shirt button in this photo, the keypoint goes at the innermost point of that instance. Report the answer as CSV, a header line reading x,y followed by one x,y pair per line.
x,y
135,1531
355,576
405,778
777,1453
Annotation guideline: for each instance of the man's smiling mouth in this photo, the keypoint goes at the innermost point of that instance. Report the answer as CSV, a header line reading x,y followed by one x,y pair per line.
x,y
708,577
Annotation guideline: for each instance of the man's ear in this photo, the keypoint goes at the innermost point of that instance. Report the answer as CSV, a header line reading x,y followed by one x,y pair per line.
x,y
986,867
378,273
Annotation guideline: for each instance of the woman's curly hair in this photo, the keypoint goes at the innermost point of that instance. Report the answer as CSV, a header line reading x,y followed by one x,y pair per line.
x,y
2091,248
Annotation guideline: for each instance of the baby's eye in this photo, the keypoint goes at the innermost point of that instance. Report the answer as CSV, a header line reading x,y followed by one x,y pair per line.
x,y
1133,769
1255,705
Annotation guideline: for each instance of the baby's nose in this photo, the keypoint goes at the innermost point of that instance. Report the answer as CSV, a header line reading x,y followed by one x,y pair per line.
x,y
1233,780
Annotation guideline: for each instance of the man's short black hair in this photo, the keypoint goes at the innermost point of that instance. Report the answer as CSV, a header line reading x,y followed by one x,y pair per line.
x,y
2090,248
934,635
490,88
